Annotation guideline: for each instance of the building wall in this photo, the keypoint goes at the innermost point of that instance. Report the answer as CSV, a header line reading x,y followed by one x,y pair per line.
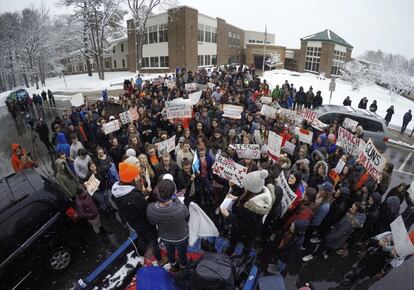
x,y
327,54
254,37
206,48
223,49
182,37
292,57
300,56
131,46
120,55
253,50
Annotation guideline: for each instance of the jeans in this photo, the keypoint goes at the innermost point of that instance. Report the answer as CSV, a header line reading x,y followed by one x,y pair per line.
x,y
181,247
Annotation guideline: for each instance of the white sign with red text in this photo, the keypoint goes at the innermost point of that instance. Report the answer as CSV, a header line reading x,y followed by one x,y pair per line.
x,y
372,159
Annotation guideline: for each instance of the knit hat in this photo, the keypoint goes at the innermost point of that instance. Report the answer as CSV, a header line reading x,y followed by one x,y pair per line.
x,y
131,153
327,186
255,181
127,172
168,176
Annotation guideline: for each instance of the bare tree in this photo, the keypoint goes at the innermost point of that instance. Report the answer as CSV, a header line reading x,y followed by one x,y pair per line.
x,y
141,10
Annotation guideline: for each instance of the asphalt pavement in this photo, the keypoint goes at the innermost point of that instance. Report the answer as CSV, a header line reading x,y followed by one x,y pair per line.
x,y
325,274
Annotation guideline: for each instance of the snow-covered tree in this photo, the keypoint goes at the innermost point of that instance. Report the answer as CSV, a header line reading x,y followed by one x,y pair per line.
x,y
355,73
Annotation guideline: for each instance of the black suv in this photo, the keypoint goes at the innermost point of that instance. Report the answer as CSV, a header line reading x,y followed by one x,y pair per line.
x,y
36,233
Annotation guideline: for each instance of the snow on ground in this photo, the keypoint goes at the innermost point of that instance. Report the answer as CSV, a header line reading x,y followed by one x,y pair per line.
x,y
344,89
82,83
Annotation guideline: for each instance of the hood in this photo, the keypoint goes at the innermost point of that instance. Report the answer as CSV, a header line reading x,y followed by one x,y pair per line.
x,y
15,146
301,226
370,186
345,192
58,163
377,199
121,190
324,166
393,204
261,203
357,220
286,162
61,138
317,153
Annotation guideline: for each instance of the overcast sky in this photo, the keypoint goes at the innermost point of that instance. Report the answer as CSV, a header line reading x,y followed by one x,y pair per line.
x,y
366,24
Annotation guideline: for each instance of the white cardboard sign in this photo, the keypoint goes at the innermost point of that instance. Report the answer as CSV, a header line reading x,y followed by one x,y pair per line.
x,y
268,111
178,108
195,97
305,136
402,241
249,151
372,159
229,170
308,114
274,143
190,87
288,195
125,117
92,184
289,148
167,145
350,124
111,127
265,100
232,111
349,142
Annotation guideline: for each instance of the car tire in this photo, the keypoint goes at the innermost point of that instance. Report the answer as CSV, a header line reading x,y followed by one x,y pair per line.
x,y
59,259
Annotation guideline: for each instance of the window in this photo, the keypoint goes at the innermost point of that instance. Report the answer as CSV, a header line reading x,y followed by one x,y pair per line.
x,y
214,35
200,35
114,63
145,39
153,34
154,61
107,64
164,61
113,50
145,62
313,57
233,39
123,62
122,47
251,41
233,59
338,62
214,59
208,33
207,60
163,32
200,59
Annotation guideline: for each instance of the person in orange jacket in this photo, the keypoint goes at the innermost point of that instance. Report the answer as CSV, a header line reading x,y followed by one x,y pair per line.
x,y
20,159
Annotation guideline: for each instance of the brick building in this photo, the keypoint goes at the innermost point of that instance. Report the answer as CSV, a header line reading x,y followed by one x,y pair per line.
x,y
186,38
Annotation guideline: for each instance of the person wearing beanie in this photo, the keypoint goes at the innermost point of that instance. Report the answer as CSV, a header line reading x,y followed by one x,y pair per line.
x,y
131,153
248,211
132,208
171,218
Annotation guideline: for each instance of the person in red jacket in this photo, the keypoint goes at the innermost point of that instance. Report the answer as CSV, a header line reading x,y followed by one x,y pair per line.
x,y
87,209
20,159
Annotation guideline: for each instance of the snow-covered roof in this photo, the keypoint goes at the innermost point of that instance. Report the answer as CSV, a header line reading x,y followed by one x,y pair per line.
x,y
327,35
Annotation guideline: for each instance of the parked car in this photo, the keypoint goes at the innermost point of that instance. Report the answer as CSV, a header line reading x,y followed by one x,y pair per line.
x,y
18,95
36,233
373,125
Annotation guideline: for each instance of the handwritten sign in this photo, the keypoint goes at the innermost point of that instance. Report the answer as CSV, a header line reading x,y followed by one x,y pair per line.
x,y
133,113
178,108
211,86
249,151
308,114
350,124
110,127
288,195
232,111
191,87
167,145
92,184
402,241
195,97
340,166
125,117
229,170
305,136
349,142
290,116
265,100
171,85
275,144
289,148
372,159
268,111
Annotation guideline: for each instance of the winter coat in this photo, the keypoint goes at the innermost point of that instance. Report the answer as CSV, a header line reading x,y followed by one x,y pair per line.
x,y
86,208
309,97
66,179
407,118
362,104
343,229
301,98
390,112
81,166
174,170
42,130
347,102
320,214
388,212
373,108
317,101
62,145
290,244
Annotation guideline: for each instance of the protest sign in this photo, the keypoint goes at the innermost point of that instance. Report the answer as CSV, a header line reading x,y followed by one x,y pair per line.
x,y
178,108
308,114
288,195
350,124
77,100
194,97
274,143
125,117
133,113
349,142
227,203
92,184
257,137
289,148
339,166
335,178
290,116
111,127
232,111
229,170
190,87
167,145
211,86
305,136
402,242
265,100
372,159
249,151
268,111
171,85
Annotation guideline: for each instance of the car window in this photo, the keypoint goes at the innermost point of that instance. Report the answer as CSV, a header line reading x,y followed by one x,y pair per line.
x,y
368,124
331,117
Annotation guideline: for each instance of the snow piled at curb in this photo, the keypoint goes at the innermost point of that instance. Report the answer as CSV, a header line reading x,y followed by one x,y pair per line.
x,y
401,143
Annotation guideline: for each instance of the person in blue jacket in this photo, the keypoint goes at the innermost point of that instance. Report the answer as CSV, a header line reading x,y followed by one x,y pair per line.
x,y
62,145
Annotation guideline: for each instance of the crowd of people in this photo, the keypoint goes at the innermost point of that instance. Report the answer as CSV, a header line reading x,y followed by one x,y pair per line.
x,y
129,176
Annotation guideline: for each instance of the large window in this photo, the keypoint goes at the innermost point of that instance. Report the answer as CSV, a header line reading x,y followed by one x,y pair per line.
x,y
207,33
338,62
145,62
123,62
145,39
164,61
114,63
153,34
107,64
207,60
200,60
233,39
313,58
214,59
200,34
154,61
163,32
214,35
122,47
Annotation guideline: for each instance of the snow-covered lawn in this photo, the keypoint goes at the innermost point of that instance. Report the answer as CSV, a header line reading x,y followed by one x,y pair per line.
x,y
344,89
82,83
